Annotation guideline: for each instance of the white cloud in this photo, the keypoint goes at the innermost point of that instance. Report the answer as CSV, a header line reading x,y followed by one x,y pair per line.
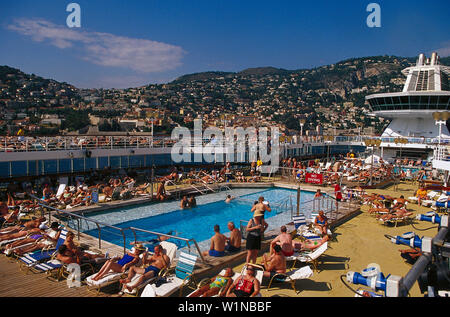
x,y
104,49
444,50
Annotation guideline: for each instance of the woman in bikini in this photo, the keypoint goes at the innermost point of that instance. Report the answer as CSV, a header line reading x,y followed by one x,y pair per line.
x,y
321,223
120,265
217,283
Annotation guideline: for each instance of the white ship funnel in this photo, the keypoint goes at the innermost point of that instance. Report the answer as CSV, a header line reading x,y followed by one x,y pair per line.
x,y
434,58
420,60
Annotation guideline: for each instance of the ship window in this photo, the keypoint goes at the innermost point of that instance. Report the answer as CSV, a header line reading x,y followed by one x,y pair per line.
x,y
103,162
443,102
32,170
114,161
91,163
124,162
65,166
433,102
78,164
4,169
50,166
19,168
414,100
404,100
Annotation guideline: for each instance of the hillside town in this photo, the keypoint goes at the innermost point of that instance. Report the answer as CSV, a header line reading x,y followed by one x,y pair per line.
x,y
327,100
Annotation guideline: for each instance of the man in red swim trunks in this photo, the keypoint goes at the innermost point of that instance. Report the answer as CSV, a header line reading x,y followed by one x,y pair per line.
x,y
284,240
337,194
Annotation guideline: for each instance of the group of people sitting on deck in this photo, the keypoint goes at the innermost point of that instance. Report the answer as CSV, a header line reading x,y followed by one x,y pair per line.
x,y
221,244
72,193
386,207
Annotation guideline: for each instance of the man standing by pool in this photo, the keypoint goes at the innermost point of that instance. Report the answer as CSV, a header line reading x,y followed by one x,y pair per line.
x,y
218,241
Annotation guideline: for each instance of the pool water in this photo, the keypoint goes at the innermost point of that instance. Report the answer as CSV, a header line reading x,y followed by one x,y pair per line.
x,y
197,223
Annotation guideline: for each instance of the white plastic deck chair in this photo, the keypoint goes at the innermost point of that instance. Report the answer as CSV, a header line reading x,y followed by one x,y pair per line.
x,y
60,191
171,250
308,256
291,276
327,166
182,276
110,278
313,216
206,280
299,221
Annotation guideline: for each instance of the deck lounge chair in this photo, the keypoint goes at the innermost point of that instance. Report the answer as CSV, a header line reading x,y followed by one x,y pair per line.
x,y
60,191
176,281
170,249
396,220
31,259
56,270
291,276
299,221
110,278
207,280
308,256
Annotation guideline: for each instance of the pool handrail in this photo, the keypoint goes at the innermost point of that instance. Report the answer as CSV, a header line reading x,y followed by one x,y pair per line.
x,y
134,229
98,224
79,217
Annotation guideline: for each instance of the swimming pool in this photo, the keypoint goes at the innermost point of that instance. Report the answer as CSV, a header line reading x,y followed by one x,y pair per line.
x,y
197,223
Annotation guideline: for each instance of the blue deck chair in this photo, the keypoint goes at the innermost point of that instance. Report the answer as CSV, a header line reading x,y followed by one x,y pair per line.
x,y
33,258
176,281
299,220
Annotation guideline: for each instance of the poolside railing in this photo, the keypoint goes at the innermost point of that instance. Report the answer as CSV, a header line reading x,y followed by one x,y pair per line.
x,y
99,226
78,219
54,143
187,241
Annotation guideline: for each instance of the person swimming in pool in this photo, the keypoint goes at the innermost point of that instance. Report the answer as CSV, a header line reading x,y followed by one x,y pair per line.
x,y
218,242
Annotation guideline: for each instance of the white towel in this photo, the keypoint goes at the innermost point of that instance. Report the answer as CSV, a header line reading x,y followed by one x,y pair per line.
x,y
302,273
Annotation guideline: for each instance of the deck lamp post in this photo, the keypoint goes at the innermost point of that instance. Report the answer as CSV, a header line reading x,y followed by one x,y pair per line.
x,y
372,143
400,141
302,123
441,118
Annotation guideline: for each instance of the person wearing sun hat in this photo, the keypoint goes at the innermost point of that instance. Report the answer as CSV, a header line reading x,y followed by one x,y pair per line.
x,y
260,207
255,231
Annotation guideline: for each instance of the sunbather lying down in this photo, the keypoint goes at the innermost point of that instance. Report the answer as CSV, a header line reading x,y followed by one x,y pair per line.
x,y
309,244
217,283
399,213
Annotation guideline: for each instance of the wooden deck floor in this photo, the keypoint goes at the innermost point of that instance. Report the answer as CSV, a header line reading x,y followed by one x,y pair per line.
x,y
15,283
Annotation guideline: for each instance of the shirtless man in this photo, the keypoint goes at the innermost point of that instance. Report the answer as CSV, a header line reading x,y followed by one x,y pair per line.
x,y
157,261
276,263
76,251
284,240
401,203
184,204
229,198
218,241
235,239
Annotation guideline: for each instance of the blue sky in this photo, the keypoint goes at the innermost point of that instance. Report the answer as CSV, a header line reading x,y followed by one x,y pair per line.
x,y
129,43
